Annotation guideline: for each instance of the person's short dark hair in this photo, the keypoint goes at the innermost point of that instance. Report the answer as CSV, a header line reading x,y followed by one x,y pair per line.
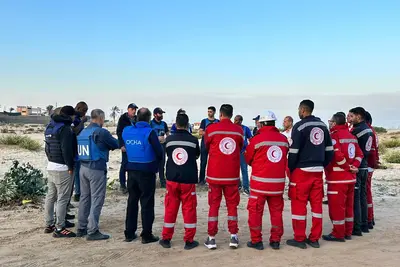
x,y
81,107
212,108
368,117
240,117
67,111
289,118
307,105
358,111
226,110
182,120
339,118
144,114
181,111
342,113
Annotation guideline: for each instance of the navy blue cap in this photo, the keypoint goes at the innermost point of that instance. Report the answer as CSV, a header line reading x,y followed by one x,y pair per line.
x,y
158,111
132,105
256,118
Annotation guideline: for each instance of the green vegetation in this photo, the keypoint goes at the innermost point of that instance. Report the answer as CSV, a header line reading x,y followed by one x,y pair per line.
x,y
380,129
22,182
393,157
21,141
391,143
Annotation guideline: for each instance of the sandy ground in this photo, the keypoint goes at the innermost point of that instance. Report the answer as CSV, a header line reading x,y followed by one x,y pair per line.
x,y
23,243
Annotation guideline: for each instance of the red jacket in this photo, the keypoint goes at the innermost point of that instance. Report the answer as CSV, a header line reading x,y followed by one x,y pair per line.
x,y
373,157
224,141
346,152
267,156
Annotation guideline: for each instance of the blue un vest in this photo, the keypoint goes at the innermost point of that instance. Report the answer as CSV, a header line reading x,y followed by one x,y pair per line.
x,y
87,148
158,128
137,145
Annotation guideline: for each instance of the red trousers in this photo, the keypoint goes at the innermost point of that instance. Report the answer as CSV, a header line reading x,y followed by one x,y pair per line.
x,y
341,208
369,197
255,207
232,199
303,187
177,193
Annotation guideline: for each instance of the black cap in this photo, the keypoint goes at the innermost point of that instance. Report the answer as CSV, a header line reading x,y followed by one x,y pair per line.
x,y
158,111
256,118
132,105
68,111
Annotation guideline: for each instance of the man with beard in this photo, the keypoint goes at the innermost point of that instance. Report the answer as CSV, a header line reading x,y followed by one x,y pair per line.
x,y
162,131
311,151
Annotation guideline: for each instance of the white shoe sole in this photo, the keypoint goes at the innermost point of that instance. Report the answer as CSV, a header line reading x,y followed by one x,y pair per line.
x,y
211,247
233,246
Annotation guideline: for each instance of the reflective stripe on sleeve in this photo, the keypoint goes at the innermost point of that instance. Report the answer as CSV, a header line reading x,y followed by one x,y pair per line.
x,y
338,222
267,143
190,225
268,180
298,217
293,150
169,225
213,219
317,215
181,143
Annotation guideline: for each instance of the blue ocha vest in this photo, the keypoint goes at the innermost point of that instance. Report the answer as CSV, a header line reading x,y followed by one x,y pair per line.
x,y
137,145
87,148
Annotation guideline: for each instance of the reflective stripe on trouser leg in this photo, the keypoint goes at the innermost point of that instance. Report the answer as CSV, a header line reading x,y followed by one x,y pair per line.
x,y
316,196
369,198
172,203
337,208
232,199
214,202
255,206
299,199
349,212
275,205
189,205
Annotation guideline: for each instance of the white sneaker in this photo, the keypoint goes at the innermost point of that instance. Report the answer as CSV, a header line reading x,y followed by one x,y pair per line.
x,y
234,242
210,243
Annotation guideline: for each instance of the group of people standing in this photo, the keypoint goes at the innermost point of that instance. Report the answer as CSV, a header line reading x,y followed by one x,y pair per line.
x,y
302,153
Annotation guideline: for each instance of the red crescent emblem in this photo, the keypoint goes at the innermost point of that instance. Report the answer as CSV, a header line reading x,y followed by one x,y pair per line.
x,y
226,145
178,156
272,153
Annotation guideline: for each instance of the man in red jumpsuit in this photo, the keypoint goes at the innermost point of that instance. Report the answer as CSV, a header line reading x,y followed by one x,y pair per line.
x,y
224,141
310,152
267,155
341,178
373,162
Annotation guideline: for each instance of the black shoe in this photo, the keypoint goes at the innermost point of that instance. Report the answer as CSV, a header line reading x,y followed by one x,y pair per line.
x,y
49,229
246,192
365,229
325,202
69,224
373,222
210,243
69,217
149,239
63,233
258,246
357,233
123,190
240,187
77,198
163,185
314,244
97,236
348,237
191,245
130,238
330,237
81,232
297,244
165,243
370,225
274,245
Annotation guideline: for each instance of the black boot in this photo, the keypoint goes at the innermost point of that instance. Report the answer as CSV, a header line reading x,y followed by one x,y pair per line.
x,y
364,229
191,245
370,225
330,237
296,244
274,245
165,243
348,237
314,244
149,239
258,246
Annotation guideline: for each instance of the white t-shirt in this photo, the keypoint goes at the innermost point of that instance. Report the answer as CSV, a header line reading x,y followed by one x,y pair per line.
x,y
288,135
52,166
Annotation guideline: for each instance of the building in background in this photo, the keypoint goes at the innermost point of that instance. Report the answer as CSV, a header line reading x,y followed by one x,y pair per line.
x,y
29,111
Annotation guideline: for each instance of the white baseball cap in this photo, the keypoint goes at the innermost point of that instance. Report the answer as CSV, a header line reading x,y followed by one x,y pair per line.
x,y
268,116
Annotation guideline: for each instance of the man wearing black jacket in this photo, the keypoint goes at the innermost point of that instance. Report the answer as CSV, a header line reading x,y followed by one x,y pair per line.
x,y
182,149
60,154
310,152
127,119
364,136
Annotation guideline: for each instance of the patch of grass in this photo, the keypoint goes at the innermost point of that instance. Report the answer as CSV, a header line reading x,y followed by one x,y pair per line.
x,y
393,157
382,149
21,141
391,143
380,129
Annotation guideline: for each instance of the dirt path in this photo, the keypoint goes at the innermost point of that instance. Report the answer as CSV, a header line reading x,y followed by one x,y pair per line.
x,y
22,242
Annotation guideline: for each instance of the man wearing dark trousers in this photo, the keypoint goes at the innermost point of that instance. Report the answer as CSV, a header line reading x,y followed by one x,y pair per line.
x,y
204,153
144,152
127,119
161,129
364,136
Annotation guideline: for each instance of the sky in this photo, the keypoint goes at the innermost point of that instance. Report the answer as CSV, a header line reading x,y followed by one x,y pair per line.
x,y
257,55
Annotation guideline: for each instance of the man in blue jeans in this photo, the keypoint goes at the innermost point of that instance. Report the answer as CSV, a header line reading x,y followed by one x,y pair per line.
x,y
243,165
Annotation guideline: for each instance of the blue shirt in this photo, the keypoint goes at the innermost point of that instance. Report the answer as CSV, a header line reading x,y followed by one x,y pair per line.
x,y
173,128
247,136
105,141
